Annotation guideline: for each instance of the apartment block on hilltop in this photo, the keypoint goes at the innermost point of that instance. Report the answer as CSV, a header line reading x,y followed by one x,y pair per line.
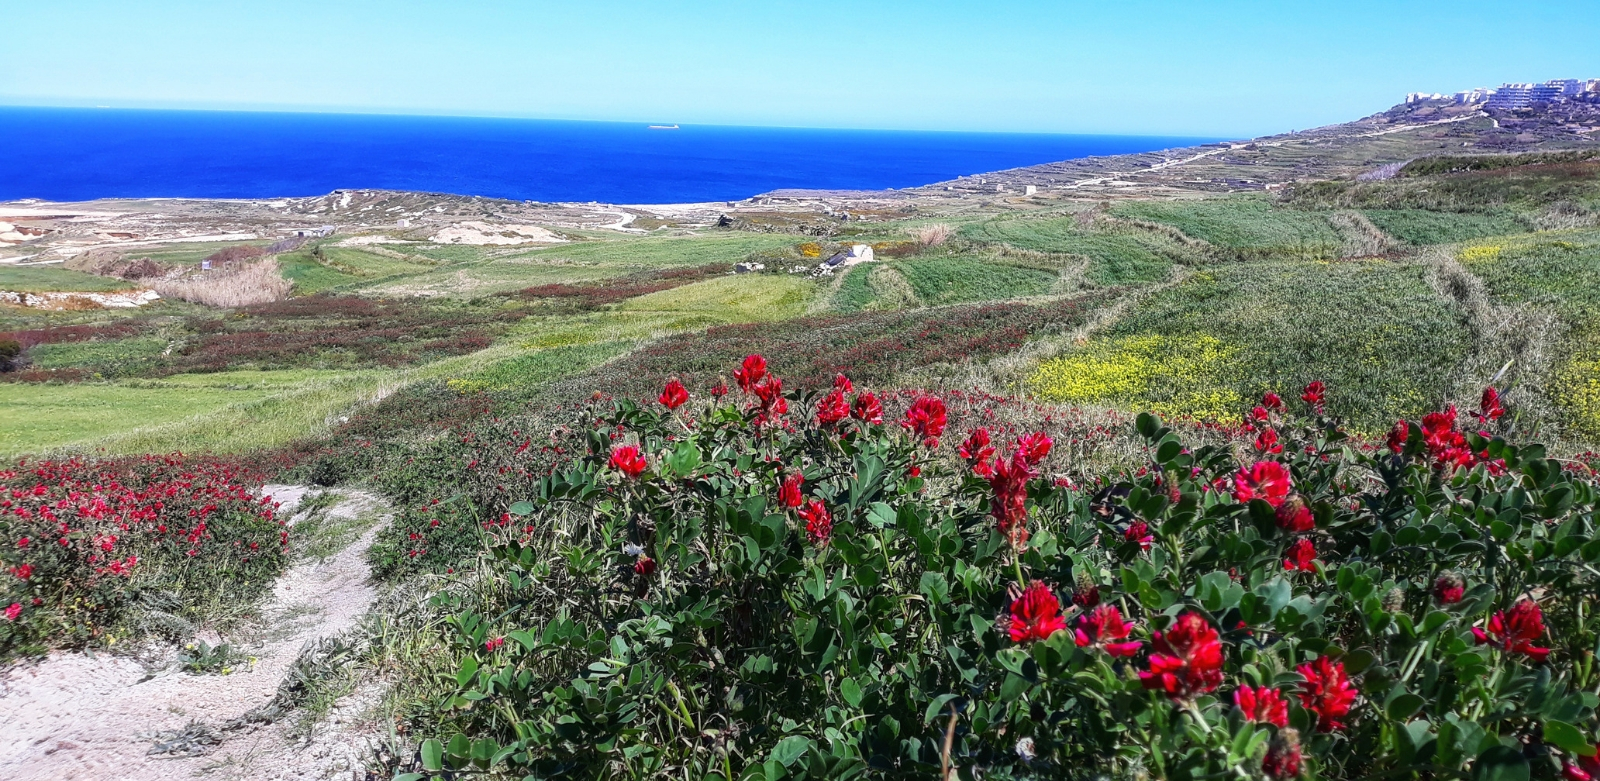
x,y
1512,96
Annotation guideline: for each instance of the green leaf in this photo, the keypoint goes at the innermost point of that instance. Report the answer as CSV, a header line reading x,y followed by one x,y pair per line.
x,y
1567,737
934,587
1499,763
790,749
685,459
410,777
460,745
469,668
1400,708
1147,425
851,691
521,508
432,755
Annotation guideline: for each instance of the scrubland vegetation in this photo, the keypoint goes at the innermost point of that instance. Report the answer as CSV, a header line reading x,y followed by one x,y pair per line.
x,y
1176,489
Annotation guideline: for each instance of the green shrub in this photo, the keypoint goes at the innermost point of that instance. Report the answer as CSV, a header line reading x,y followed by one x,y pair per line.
x,y
1421,610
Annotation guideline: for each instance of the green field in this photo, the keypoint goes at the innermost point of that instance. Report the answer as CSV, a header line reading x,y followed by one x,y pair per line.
x,y
1250,226
1117,255
1383,340
36,418
54,279
1420,228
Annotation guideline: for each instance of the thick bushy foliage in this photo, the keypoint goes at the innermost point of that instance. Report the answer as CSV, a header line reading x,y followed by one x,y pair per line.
x,y
81,539
769,586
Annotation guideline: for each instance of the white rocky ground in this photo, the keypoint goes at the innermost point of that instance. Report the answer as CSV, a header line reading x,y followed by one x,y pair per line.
x,y
90,717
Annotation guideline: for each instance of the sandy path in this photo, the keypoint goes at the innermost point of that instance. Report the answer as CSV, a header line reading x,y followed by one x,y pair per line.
x,y
89,717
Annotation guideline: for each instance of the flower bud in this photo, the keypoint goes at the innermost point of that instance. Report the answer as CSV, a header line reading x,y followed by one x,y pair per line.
x,y
1085,594
1283,755
1449,588
1394,600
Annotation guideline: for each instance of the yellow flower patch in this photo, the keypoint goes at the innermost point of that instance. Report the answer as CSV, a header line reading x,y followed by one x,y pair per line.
x,y
1481,253
1171,376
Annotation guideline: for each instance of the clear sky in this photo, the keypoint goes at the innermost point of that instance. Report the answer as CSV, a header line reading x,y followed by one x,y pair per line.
x,y
1185,67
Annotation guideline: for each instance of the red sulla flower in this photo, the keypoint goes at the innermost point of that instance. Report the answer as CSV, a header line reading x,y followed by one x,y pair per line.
x,y
1439,430
1036,447
977,451
773,405
22,571
1313,393
674,395
14,612
1267,442
1259,414
1265,480
1513,631
644,567
1489,407
867,409
752,371
842,384
1008,479
1582,768
1138,533
719,390
1036,615
1283,758
1397,436
832,408
628,460
1302,556
1272,400
1449,588
789,492
926,419
819,522
1104,628
1327,692
493,644
1263,705
1295,515
1187,659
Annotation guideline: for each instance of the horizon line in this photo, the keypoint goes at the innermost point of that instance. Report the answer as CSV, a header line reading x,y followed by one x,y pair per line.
x,y
420,114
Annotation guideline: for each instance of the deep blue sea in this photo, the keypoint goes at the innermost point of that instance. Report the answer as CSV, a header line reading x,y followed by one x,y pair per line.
x,y
82,154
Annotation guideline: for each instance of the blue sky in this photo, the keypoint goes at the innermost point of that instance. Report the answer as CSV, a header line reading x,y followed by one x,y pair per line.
x,y
1111,66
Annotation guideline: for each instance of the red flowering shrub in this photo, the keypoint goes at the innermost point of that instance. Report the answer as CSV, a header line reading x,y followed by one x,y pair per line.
x,y
890,615
80,537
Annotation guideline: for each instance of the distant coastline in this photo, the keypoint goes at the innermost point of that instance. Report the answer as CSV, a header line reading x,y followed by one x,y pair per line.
x,y
88,154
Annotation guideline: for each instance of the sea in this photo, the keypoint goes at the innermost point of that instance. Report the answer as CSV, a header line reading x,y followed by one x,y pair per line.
x,y
74,154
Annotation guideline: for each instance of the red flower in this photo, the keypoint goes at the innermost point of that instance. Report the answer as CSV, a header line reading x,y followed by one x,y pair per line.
x,y
1266,480
719,390
1262,705
22,571
1272,400
1302,556
1036,447
867,409
1187,659
674,395
1102,628
977,451
1489,407
1449,588
1295,515
1327,692
773,405
1582,768
1313,393
1283,757
832,408
1008,479
1515,630
789,492
751,372
644,567
1259,413
13,612
493,644
1439,430
842,384
1036,615
1138,532
1397,436
1267,442
628,460
926,419
819,522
